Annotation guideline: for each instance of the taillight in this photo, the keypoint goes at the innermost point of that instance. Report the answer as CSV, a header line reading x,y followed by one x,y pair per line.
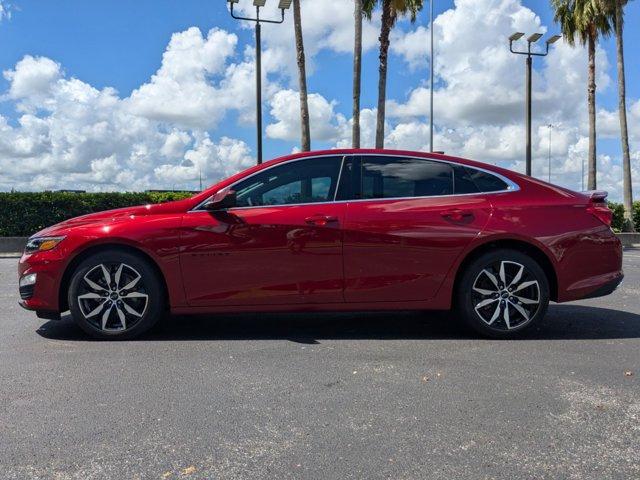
x,y
598,207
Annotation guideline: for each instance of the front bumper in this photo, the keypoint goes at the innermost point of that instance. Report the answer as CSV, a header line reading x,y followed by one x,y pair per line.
x,y
44,314
43,294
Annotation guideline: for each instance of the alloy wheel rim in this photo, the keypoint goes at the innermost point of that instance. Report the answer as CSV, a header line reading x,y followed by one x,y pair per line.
x,y
113,297
505,295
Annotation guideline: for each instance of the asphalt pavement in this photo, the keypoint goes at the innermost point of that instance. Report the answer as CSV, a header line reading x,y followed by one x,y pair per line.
x,y
335,396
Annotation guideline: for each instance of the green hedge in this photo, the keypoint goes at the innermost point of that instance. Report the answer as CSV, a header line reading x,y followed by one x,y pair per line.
x,y
618,215
24,213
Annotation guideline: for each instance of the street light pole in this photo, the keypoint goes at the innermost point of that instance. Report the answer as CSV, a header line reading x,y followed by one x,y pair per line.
x,y
431,79
259,86
549,158
530,40
283,5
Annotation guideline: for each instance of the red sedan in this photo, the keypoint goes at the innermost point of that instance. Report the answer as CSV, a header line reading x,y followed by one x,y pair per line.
x,y
332,230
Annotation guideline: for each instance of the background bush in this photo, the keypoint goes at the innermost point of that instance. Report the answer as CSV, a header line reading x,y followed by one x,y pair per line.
x,y
24,213
618,212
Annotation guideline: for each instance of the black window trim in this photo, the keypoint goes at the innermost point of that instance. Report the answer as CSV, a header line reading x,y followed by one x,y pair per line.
x,y
511,185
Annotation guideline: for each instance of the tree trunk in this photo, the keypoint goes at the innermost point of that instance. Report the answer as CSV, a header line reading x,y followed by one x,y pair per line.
x,y
357,73
305,134
387,23
591,101
627,192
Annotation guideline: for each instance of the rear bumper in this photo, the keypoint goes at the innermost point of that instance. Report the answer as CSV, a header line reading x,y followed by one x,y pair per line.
x,y
590,265
605,289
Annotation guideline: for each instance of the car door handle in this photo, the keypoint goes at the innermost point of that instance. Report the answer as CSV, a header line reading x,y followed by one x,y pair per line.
x,y
320,220
457,214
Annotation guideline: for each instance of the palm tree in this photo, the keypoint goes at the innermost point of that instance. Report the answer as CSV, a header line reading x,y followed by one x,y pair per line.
x,y
391,10
585,20
305,133
615,10
357,74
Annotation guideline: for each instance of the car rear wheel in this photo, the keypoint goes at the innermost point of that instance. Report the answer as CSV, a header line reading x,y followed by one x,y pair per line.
x,y
502,293
115,295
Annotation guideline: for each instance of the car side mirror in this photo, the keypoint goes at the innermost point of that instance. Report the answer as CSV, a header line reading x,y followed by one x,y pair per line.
x,y
222,200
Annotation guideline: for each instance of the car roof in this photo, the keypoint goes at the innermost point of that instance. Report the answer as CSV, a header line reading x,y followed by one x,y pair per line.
x,y
510,174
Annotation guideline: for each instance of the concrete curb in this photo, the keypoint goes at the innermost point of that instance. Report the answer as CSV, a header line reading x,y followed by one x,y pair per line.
x,y
629,239
13,246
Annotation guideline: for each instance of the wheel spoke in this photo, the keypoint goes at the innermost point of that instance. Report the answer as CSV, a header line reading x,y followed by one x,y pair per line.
x,y
507,318
132,283
135,295
90,295
496,314
524,285
522,311
123,320
486,302
118,275
483,291
93,284
527,301
95,311
503,278
518,276
107,276
491,276
105,317
130,310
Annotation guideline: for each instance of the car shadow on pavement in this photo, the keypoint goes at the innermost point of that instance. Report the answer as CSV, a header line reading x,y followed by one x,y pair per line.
x,y
563,322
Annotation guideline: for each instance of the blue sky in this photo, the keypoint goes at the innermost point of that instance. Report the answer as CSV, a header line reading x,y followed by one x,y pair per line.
x,y
120,45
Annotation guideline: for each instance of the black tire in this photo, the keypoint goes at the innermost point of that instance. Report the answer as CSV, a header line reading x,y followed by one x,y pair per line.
x,y
137,307
479,309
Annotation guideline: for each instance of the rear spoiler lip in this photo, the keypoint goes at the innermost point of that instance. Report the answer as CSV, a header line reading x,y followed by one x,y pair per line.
x,y
596,195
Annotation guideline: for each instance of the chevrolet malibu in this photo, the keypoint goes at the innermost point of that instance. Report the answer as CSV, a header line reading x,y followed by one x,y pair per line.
x,y
335,230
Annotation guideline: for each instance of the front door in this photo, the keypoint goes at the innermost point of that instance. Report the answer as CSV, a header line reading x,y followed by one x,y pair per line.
x,y
281,245
405,228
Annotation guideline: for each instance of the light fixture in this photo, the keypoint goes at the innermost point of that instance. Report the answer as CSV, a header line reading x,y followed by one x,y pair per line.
x,y
534,37
516,36
284,4
554,39
259,3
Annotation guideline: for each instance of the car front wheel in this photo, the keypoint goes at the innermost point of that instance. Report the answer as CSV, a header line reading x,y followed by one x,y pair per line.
x,y
115,295
503,292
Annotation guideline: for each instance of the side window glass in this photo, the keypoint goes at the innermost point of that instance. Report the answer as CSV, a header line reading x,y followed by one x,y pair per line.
x,y
462,181
485,181
396,177
302,181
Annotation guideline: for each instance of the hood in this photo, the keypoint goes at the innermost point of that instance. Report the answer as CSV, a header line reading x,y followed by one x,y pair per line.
x,y
114,216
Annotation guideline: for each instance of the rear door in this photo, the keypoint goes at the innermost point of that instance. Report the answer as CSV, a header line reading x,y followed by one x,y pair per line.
x,y
406,226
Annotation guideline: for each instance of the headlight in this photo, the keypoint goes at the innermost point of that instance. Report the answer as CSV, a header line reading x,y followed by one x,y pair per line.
x,y
42,244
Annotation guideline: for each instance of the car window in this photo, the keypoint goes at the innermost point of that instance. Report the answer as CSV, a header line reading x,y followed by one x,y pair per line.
x,y
302,181
462,181
485,182
393,177
349,187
